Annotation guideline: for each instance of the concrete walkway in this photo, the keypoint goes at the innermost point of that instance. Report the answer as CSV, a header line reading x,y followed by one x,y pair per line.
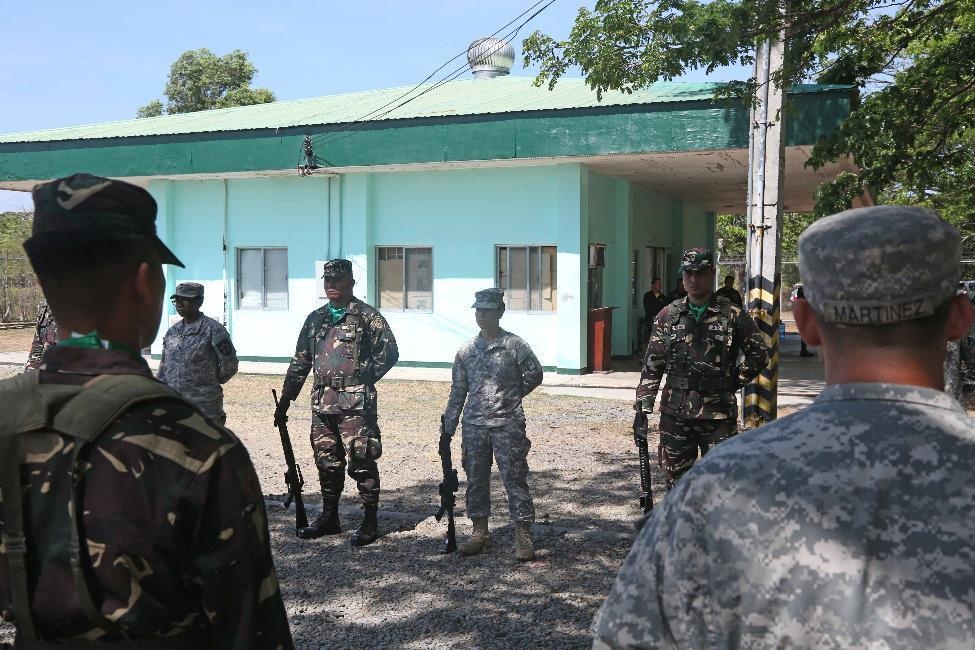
x,y
800,379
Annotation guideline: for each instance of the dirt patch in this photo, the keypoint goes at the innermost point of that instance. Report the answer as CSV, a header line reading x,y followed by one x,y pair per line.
x,y
16,340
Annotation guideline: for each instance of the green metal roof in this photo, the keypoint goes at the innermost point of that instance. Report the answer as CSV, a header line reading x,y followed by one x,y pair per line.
x,y
457,98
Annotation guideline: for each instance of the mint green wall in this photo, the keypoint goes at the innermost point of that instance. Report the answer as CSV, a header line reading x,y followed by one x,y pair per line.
x,y
609,219
281,211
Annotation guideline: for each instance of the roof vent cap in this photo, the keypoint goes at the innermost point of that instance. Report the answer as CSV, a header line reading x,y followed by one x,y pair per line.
x,y
490,57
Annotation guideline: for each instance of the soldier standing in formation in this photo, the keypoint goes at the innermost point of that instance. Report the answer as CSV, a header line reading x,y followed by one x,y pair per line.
x,y
127,518
493,372
695,341
348,346
851,523
198,355
45,335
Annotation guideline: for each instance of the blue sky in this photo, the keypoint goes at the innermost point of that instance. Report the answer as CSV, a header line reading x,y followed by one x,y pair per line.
x,y
72,63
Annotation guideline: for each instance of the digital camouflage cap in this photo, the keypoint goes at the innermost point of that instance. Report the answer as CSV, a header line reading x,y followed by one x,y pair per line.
x,y
489,299
82,208
188,290
696,259
337,269
879,265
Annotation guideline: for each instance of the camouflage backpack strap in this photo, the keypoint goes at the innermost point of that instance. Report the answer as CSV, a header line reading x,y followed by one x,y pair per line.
x,y
727,318
358,323
81,412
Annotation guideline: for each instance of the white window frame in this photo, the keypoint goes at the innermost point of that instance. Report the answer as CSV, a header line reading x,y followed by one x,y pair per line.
x,y
497,278
404,248
287,285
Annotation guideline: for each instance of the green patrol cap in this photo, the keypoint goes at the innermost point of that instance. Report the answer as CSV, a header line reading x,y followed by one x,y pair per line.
x,y
337,268
489,299
82,208
188,290
696,259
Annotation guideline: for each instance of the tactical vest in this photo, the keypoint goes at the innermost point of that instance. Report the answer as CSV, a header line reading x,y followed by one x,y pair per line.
x,y
335,350
81,414
679,373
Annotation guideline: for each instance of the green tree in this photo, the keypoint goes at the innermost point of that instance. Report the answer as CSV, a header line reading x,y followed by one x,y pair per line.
x,y
914,60
199,80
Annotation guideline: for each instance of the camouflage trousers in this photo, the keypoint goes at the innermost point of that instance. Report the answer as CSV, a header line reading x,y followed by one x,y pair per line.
x,y
681,438
508,445
346,440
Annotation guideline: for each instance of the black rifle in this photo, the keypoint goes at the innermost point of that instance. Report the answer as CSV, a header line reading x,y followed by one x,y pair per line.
x,y
447,488
640,431
292,477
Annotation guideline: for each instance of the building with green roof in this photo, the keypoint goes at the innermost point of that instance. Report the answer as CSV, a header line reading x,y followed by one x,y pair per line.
x,y
567,201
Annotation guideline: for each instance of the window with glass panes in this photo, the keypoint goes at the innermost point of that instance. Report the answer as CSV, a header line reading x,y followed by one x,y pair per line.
x,y
262,278
404,277
528,276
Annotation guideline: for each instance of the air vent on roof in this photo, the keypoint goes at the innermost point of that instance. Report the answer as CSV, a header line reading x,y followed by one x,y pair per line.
x,y
490,57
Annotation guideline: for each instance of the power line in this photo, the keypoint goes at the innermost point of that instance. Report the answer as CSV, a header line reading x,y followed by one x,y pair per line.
x,y
329,137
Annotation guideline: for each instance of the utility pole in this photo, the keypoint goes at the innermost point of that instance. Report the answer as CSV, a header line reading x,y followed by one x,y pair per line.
x,y
766,158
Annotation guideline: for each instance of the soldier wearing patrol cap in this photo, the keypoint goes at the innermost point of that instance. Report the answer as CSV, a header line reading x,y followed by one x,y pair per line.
x,y
695,341
492,373
348,346
198,355
127,518
851,523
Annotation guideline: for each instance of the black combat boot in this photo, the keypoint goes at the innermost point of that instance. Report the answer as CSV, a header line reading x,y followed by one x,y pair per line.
x,y
369,529
327,523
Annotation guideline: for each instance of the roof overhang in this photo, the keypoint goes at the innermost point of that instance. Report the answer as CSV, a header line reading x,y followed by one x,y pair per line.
x,y
715,180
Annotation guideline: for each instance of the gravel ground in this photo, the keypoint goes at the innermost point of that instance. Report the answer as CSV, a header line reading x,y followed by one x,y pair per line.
x,y
402,592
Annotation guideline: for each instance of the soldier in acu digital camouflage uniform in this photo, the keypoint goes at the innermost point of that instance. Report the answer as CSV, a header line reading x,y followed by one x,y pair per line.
x,y
198,355
45,335
851,523
493,372
695,341
127,518
348,346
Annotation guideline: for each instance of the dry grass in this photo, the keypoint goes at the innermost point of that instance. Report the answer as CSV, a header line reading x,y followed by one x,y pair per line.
x,y
16,340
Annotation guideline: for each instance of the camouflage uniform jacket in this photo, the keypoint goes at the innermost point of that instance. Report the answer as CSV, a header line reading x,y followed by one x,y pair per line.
x,y
492,377
850,524
197,358
348,358
174,523
692,351
45,336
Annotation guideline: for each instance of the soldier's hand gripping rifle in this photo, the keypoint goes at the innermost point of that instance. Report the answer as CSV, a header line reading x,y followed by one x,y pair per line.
x,y
640,431
448,486
292,476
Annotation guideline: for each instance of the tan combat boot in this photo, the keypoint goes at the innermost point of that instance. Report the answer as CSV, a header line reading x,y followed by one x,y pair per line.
x,y
524,549
480,540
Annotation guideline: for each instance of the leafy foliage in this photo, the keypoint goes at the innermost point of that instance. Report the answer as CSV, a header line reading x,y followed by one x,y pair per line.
x,y
199,80
914,60
19,291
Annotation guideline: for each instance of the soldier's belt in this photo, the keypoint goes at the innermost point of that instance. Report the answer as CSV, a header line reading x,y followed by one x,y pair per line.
x,y
701,384
338,383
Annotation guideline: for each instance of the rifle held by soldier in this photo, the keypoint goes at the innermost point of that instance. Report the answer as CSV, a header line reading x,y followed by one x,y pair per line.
x,y
448,486
292,476
640,430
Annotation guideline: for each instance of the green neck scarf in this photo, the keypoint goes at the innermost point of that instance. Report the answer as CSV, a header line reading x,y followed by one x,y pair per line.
x,y
697,311
93,341
336,312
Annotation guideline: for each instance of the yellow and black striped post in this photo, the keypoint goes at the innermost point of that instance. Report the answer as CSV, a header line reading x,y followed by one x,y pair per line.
x,y
766,158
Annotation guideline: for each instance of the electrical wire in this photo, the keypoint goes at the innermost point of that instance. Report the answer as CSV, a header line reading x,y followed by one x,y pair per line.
x,y
329,137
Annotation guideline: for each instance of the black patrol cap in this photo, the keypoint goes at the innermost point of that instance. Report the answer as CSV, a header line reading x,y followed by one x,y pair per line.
x,y
83,208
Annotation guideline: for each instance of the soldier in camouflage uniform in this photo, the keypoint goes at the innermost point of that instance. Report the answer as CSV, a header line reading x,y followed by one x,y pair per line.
x,y
348,346
851,523
127,518
198,355
493,372
45,336
695,341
